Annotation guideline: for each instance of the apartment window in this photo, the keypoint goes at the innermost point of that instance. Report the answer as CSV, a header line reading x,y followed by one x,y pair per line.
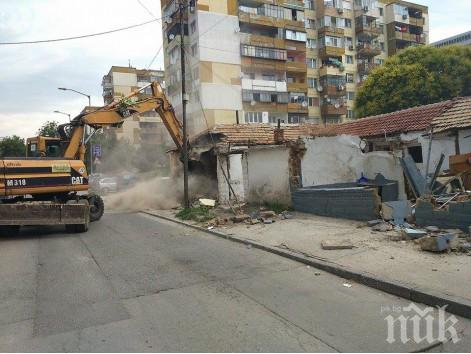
x,y
382,46
194,49
263,52
348,23
309,4
350,95
379,61
253,117
311,43
312,82
311,24
381,11
349,78
350,114
268,77
193,27
311,63
290,80
330,41
381,27
297,97
296,36
348,42
293,120
349,59
313,101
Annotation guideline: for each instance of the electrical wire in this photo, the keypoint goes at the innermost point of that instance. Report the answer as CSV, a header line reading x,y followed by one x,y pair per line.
x,y
155,56
146,8
83,36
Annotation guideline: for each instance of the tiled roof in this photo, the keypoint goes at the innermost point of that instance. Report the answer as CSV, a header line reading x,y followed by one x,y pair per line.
x,y
458,116
262,134
445,115
407,120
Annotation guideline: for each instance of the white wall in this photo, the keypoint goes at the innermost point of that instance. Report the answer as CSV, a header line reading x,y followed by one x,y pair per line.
x,y
220,96
339,159
219,39
268,175
445,145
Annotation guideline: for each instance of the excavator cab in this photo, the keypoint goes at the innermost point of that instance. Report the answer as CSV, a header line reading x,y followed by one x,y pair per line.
x,y
43,146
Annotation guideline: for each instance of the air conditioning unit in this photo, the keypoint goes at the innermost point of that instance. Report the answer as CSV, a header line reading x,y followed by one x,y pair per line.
x,y
405,17
351,47
340,10
366,8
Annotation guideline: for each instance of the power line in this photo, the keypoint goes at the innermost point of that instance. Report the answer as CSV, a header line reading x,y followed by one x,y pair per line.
x,y
155,56
146,8
83,36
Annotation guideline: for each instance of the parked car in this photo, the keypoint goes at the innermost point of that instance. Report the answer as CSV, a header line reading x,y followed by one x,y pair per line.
x,y
108,185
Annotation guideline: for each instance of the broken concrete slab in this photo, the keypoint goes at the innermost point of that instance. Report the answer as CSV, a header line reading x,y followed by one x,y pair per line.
x,y
267,214
372,223
336,244
268,221
398,211
438,243
240,218
210,203
383,227
432,229
414,234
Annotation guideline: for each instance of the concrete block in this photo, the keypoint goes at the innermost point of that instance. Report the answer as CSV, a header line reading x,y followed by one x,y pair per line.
x,y
436,243
374,222
414,234
397,211
336,244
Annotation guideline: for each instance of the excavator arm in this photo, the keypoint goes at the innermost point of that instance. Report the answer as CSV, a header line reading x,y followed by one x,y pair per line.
x,y
116,113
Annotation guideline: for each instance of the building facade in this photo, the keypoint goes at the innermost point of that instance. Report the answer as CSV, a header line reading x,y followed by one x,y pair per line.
x,y
145,128
260,61
463,39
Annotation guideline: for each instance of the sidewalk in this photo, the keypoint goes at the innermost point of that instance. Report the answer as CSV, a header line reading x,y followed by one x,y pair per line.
x,y
377,254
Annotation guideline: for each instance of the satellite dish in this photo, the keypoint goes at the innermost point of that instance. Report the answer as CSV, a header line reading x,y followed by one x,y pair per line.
x,y
304,104
171,37
320,88
253,103
337,106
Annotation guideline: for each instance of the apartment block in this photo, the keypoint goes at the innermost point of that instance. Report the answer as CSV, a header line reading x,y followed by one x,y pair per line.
x,y
146,128
297,61
463,39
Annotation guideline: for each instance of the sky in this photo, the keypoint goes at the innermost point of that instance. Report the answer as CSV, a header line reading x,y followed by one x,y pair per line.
x,y
30,74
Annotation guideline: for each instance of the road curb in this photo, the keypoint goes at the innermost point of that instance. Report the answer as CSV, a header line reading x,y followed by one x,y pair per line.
x,y
455,305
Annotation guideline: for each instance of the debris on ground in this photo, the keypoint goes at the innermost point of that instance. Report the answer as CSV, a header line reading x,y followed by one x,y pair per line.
x,y
240,218
383,227
210,203
268,221
347,285
267,214
336,244
432,229
372,223
438,243
414,234
398,211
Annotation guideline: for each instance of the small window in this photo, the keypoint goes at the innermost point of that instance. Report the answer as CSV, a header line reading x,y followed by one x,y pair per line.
x,y
381,11
350,95
349,59
348,23
349,78
416,153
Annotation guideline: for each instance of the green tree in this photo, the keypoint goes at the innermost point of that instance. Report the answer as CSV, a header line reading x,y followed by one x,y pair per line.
x,y
417,76
49,129
12,146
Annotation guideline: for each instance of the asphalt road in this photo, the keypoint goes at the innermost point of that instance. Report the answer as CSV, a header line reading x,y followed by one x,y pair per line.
x,y
136,283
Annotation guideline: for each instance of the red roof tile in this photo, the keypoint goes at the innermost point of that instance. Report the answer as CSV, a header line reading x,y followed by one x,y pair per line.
x,y
457,117
407,120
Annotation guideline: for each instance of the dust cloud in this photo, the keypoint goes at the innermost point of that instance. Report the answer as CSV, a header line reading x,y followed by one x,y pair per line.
x,y
160,193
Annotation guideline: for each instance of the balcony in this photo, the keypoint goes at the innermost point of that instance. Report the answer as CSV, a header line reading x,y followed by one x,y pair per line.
x,y
263,64
368,50
370,31
329,51
261,20
296,4
332,31
261,41
294,66
297,87
334,90
410,37
298,108
266,107
333,110
264,85
420,22
330,70
365,68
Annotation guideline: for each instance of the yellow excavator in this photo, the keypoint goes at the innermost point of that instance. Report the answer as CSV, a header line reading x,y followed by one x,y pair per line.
x,y
50,185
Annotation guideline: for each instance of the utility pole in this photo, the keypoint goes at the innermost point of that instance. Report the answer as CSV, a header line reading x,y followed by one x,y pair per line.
x,y
182,8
